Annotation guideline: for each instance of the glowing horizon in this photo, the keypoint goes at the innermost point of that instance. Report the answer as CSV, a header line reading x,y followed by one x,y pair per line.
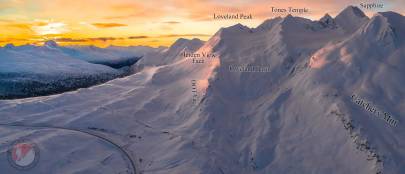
x,y
134,22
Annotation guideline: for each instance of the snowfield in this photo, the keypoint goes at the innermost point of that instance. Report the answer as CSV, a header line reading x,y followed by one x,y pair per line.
x,y
297,117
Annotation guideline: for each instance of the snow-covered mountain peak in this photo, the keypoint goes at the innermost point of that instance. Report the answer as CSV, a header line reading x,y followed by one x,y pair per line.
x,y
377,24
238,27
352,11
351,19
387,28
292,20
326,17
288,16
384,33
393,17
179,42
327,21
396,24
232,30
287,32
231,35
186,43
269,23
8,46
172,54
50,44
278,33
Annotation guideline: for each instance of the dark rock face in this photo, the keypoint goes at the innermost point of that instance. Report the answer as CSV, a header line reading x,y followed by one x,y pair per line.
x,y
120,63
328,21
51,43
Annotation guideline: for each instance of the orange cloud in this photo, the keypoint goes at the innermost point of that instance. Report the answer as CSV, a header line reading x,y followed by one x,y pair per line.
x,y
138,37
20,25
8,40
104,39
94,40
108,25
69,40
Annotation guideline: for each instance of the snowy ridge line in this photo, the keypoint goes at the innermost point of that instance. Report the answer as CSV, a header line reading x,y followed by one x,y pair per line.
x,y
361,144
118,147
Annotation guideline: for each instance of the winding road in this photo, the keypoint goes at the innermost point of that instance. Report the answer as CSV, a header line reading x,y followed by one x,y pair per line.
x,y
118,147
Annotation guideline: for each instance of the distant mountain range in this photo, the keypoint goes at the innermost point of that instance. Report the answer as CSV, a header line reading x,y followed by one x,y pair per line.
x,y
28,70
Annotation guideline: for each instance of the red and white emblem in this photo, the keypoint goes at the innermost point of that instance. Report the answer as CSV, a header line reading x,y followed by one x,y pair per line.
x,y
23,154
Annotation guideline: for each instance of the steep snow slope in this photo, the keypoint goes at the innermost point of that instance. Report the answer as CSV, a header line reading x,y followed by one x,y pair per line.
x,y
264,122
300,120
350,19
371,65
297,116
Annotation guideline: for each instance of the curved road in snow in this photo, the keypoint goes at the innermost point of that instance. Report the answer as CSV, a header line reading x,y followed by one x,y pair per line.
x,y
119,148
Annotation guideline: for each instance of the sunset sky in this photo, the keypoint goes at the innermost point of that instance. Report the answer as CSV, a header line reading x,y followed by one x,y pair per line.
x,y
147,22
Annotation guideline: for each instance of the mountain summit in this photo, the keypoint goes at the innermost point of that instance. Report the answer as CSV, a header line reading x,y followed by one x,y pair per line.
x,y
171,54
351,18
328,21
51,44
